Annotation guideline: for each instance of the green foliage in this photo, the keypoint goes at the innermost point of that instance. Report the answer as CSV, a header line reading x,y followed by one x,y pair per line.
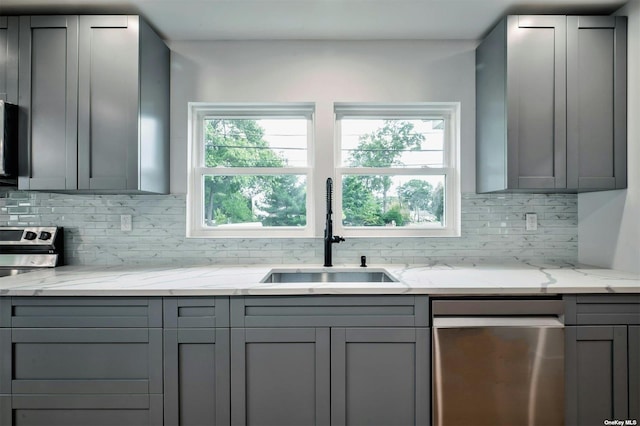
x,y
285,203
437,206
273,200
395,215
280,200
359,206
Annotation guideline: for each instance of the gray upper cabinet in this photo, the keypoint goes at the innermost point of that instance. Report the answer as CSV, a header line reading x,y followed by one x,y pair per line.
x,y
48,85
596,102
551,105
9,58
95,91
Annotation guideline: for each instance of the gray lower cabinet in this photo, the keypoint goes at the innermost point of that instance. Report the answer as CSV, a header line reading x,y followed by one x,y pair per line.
x,y
602,358
551,104
280,376
9,58
81,361
196,377
596,374
339,360
634,372
196,361
380,376
94,92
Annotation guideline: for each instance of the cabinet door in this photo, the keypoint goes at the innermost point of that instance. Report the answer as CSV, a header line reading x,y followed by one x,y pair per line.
x,y
596,102
48,95
596,374
536,97
280,376
380,376
108,102
196,373
634,372
9,59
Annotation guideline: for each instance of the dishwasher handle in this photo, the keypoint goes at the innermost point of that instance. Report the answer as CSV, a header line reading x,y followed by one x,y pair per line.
x,y
483,322
498,307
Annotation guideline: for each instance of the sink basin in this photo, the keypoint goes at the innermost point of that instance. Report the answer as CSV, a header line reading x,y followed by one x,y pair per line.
x,y
298,276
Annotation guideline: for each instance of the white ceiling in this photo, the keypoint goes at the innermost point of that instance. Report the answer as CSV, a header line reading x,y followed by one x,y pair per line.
x,y
316,19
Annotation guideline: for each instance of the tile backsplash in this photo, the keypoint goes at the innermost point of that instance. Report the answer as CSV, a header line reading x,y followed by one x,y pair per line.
x,y
493,229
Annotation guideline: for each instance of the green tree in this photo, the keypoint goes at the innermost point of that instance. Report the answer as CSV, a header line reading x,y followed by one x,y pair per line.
x,y
437,205
383,148
285,203
359,206
396,215
417,194
239,199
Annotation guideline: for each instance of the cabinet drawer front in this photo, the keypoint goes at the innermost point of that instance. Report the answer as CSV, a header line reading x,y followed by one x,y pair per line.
x,y
196,312
330,311
603,309
81,410
85,312
85,361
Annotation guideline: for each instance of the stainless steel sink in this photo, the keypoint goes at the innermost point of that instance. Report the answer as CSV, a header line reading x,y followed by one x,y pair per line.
x,y
298,276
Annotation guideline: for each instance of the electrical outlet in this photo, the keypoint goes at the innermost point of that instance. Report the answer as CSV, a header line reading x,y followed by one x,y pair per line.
x,y
531,221
125,222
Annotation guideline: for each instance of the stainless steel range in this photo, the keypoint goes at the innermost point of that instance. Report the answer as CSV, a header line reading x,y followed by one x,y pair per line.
x,y
24,249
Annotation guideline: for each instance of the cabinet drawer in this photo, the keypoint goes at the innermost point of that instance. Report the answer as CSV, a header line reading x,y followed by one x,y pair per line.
x,y
85,312
330,311
196,312
604,309
81,361
80,410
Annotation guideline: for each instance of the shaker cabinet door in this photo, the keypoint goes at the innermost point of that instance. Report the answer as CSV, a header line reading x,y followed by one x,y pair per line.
x,y
536,98
9,58
108,102
380,376
596,102
48,87
280,376
596,374
634,372
196,377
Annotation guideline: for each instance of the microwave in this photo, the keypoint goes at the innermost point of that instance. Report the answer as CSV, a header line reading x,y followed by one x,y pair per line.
x,y
8,140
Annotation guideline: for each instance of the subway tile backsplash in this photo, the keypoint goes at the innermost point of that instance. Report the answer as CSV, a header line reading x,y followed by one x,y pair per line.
x,y
493,229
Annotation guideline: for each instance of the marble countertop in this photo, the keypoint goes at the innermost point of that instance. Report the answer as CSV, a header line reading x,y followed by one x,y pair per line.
x,y
441,279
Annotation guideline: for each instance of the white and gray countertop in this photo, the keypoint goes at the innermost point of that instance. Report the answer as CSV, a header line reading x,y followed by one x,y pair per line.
x,y
440,279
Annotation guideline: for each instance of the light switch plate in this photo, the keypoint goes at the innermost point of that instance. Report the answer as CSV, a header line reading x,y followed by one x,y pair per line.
x,y
531,221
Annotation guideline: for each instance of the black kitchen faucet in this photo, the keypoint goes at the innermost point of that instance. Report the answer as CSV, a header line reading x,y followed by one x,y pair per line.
x,y
329,238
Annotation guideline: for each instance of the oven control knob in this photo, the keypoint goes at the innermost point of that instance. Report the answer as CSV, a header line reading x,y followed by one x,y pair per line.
x,y
44,235
30,235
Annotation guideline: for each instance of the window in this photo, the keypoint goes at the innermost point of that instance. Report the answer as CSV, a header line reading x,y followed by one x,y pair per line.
x,y
397,170
250,170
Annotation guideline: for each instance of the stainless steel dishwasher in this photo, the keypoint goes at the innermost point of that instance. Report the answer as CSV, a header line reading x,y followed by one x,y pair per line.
x,y
498,362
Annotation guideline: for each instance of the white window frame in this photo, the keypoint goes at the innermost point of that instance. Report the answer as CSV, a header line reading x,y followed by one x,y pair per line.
x,y
197,113
450,112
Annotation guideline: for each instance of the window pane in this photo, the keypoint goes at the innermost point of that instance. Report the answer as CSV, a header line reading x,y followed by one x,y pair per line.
x,y
255,200
277,142
392,143
384,200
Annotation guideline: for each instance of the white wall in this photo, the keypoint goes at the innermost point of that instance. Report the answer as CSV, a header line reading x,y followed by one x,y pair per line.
x,y
322,72
609,222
